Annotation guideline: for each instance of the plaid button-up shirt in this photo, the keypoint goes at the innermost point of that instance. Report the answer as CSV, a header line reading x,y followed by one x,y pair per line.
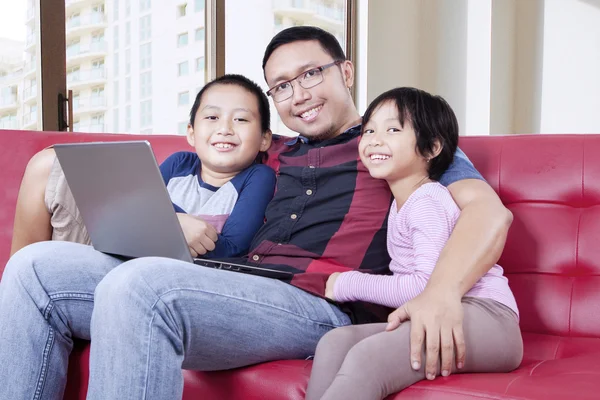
x,y
329,215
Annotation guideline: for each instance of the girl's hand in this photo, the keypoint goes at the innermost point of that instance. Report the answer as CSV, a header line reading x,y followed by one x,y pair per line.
x,y
329,285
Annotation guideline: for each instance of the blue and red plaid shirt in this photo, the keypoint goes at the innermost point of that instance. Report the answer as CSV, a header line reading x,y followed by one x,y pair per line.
x,y
329,215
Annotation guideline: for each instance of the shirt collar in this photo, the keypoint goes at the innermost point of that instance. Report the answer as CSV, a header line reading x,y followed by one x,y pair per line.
x,y
302,139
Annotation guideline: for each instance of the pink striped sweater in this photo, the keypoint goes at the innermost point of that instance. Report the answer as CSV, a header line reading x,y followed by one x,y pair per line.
x,y
415,238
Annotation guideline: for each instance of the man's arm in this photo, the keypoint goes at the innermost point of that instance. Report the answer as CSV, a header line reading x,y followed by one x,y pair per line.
x,y
32,220
474,247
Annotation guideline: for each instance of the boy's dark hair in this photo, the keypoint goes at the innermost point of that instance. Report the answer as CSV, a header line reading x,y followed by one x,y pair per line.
x,y
305,33
432,119
250,86
244,83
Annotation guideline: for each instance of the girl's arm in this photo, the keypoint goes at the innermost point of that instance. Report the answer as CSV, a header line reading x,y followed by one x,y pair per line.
x,y
428,225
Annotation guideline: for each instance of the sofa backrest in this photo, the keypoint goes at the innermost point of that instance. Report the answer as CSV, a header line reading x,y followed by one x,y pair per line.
x,y
17,147
551,183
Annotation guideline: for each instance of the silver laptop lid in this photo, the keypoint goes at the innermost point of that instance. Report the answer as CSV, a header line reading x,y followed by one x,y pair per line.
x,y
123,201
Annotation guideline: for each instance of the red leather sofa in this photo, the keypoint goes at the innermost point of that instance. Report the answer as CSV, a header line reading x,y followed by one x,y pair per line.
x,y
552,259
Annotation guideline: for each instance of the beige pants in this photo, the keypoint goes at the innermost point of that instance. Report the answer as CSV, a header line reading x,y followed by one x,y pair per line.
x,y
66,221
364,362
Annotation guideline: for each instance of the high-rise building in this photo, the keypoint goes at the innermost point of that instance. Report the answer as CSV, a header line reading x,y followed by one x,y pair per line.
x,y
136,65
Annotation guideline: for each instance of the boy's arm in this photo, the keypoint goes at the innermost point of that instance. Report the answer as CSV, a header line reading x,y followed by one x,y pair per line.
x,y
474,247
247,216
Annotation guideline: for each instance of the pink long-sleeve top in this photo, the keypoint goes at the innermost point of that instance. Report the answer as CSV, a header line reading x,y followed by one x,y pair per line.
x,y
416,236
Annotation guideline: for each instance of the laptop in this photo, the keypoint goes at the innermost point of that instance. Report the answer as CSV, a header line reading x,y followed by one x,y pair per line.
x,y
125,206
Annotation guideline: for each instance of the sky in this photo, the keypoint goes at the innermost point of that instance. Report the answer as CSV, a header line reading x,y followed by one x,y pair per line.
x,y
12,19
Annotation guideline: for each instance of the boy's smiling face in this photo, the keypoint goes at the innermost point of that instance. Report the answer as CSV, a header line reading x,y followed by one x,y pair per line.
x,y
227,131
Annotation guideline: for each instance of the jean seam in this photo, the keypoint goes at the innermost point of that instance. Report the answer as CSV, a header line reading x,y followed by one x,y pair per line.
x,y
245,300
71,295
146,380
42,377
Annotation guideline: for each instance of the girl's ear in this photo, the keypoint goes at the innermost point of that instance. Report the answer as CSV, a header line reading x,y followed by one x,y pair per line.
x,y
267,136
437,149
190,135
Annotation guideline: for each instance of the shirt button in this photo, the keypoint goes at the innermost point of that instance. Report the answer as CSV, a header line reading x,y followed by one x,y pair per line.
x,y
309,192
293,216
255,257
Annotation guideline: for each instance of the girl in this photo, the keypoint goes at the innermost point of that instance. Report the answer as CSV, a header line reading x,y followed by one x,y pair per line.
x,y
409,139
219,192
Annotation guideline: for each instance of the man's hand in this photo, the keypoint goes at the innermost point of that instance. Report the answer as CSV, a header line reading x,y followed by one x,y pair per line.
x,y
329,285
199,235
436,319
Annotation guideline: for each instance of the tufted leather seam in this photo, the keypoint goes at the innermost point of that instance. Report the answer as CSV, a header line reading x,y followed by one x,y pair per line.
x,y
576,267
554,203
537,365
560,339
513,381
464,393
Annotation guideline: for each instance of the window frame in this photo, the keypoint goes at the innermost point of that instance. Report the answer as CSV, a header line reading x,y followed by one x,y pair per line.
x,y
52,51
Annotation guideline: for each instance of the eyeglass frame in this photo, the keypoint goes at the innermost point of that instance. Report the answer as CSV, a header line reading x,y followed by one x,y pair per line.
x,y
319,68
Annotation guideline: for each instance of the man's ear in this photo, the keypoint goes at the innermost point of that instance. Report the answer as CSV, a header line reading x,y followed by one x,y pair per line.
x,y
266,140
190,135
348,73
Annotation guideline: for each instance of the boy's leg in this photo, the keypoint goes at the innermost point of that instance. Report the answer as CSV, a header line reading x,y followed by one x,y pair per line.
x,y
380,364
154,316
46,300
330,354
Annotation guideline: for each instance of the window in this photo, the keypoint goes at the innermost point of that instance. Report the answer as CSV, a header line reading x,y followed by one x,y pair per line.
x,y
145,56
145,27
127,8
115,10
182,39
183,98
181,10
116,93
127,118
116,38
199,5
128,33
146,84
199,34
182,68
116,64
116,120
127,61
200,64
146,113
182,128
245,44
128,89
145,5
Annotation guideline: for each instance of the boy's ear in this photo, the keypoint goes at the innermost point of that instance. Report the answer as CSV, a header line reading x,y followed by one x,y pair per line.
x,y
190,136
266,140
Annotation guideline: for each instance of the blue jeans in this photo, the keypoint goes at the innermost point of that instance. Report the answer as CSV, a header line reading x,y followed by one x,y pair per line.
x,y
147,319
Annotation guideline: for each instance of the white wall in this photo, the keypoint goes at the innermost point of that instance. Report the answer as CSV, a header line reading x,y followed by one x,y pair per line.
x,y
505,66
571,60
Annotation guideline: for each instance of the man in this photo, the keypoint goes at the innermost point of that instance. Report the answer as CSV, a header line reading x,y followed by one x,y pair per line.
x,y
148,318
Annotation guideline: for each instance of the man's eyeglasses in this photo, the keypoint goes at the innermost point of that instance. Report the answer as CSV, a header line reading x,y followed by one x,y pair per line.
x,y
311,78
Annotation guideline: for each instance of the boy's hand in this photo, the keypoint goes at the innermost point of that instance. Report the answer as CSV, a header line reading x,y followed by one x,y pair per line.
x,y
329,285
199,235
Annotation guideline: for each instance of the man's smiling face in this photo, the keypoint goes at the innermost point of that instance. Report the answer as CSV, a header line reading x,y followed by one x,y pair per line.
x,y
322,111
